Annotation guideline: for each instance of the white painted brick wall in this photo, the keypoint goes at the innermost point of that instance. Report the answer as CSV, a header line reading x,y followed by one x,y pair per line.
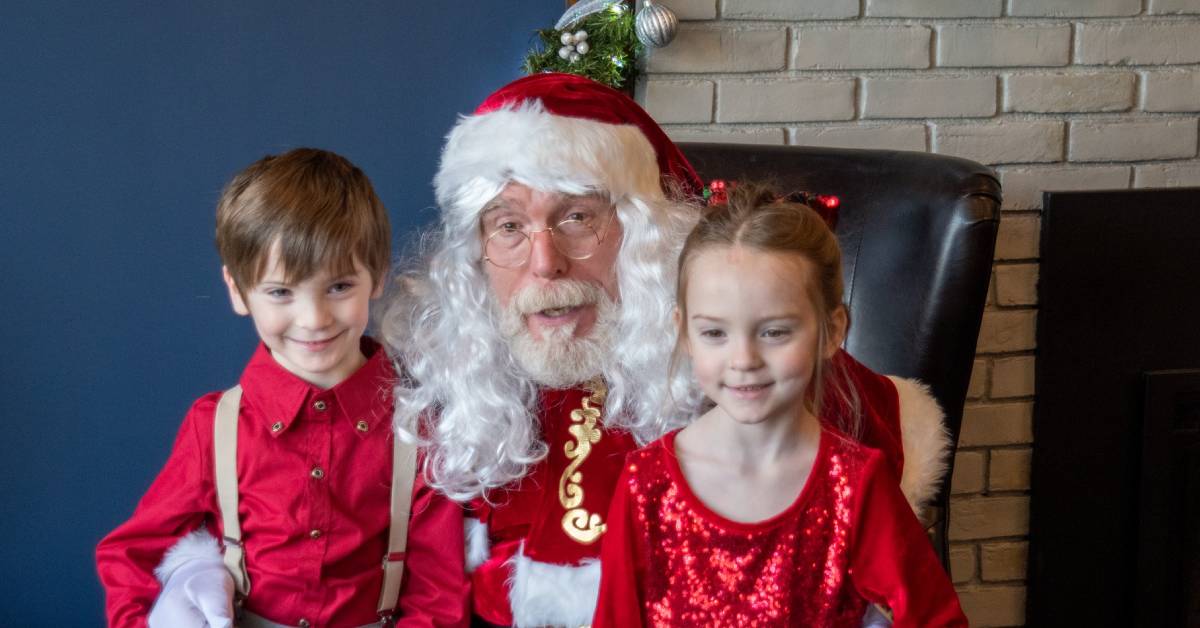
x,y
1167,175
990,45
1171,91
1064,92
694,9
774,101
857,47
1012,141
1150,43
678,101
888,137
1023,186
1104,140
1174,6
703,49
934,8
789,9
929,97
1055,94
1073,8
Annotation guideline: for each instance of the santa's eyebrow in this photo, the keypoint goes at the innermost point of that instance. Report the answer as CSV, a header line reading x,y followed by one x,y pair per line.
x,y
493,205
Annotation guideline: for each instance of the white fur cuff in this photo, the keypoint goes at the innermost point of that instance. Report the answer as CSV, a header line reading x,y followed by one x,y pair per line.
x,y
195,546
544,594
925,441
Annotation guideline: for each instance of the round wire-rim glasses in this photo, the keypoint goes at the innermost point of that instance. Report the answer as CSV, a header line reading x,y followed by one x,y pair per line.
x,y
574,238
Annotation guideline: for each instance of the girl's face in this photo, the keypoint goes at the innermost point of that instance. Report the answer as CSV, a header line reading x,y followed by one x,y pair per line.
x,y
752,331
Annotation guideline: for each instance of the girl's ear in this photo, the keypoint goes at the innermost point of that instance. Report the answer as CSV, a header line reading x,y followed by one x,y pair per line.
x,y
681,330
839,322
235,295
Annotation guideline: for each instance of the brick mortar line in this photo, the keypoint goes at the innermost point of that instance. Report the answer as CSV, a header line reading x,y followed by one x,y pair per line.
x,y
936,71
739,23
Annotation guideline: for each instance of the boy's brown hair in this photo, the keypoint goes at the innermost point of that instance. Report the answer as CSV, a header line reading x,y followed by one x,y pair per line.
x,y
319,207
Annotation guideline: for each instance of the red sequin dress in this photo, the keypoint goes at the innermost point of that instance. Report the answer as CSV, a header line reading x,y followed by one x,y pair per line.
x,y
849,538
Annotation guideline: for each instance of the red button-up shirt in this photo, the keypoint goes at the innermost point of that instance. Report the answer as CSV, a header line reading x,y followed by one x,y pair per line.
x,y
314,477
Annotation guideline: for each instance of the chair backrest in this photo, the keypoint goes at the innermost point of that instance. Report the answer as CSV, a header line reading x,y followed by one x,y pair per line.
x,y
918,232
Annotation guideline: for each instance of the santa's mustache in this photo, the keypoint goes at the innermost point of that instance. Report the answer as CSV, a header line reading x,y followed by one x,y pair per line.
x,y
563,293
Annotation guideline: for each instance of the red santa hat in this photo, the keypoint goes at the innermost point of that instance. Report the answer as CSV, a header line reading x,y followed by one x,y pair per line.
x,y
558,132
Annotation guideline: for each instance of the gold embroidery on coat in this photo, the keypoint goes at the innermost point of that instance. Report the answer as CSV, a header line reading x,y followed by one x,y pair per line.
x,y
578,523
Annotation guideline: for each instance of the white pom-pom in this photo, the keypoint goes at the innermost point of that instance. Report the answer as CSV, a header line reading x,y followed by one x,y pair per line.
x,y
580,35
567,39
581,47
574,57
564,52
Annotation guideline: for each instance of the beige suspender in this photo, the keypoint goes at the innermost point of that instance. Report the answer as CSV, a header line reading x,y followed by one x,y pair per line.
x,y
225,466
404,466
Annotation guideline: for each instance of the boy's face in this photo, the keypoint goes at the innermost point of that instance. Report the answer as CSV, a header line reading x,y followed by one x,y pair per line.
x,y
313,326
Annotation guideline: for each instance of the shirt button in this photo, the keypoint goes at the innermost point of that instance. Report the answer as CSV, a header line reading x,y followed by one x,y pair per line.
x,y
304,623
317,473
314,534
319,405
362,426
276,426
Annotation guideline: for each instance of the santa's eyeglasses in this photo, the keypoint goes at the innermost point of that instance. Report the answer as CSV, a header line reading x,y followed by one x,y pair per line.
x,y
576,238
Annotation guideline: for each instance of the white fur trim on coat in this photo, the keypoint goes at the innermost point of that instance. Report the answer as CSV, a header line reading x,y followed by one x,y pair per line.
x,y
542,594
925,441
196,545
526,144
475,532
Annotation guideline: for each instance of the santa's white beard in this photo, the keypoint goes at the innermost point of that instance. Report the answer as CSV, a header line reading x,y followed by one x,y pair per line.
x,y
558,359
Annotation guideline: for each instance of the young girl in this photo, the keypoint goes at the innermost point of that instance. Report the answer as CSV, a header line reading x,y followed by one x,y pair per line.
x,y
757,513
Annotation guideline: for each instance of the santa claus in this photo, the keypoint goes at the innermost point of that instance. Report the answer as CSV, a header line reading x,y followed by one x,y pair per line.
x,y
538,338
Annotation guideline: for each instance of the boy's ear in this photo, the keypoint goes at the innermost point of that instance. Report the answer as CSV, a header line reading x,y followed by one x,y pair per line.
x,y
235,295
839,323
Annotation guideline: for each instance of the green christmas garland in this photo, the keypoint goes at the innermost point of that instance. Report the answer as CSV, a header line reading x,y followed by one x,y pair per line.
x,y
612,48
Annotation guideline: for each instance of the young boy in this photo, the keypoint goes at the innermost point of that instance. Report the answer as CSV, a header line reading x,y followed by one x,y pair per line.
x,y
305,246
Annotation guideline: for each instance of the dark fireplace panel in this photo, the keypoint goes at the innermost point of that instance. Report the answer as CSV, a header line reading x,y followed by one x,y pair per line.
x,y
1115,496
1169,504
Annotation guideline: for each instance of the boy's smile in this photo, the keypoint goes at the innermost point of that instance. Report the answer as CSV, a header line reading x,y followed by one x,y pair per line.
x,y
312,326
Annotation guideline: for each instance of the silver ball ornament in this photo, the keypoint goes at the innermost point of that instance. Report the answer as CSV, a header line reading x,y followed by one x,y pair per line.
x,y
567,39
655,25
580,35
564,52
582,47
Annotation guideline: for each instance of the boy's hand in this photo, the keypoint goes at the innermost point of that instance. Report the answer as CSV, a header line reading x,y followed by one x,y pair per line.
x,y
197,594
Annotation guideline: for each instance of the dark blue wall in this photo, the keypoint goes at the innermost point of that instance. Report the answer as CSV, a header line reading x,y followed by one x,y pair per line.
x,y
119,123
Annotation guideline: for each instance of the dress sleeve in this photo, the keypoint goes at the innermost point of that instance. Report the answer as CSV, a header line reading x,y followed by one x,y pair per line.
x,y
176,503
891,559
622,563
434,591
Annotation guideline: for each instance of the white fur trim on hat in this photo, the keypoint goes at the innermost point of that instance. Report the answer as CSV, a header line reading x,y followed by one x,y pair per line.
x,y
196,545
925,441
529,145
544,594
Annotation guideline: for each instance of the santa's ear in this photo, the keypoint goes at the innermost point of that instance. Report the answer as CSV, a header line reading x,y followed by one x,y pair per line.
x,y
235,294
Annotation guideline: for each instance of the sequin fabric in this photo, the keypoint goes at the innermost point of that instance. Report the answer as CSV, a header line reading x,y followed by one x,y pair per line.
x,y
705,570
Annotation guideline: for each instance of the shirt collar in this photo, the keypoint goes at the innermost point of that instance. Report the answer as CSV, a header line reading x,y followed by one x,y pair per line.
x,y
280,398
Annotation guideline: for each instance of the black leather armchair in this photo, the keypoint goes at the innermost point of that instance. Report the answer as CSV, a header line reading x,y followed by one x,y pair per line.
x,y
918,232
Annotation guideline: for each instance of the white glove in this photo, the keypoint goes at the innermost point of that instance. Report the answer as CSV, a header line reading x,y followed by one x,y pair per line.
x,y
197,594
197,590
